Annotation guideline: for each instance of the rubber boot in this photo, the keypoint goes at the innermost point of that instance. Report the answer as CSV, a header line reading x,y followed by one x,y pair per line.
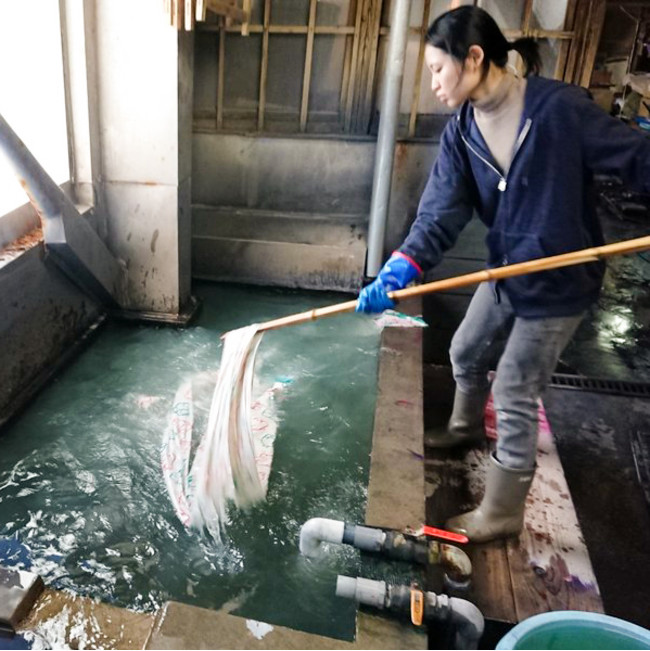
x,y
501,512
465,426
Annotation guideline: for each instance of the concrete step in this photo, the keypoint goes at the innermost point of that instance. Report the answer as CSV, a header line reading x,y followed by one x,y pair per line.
x,y
310,251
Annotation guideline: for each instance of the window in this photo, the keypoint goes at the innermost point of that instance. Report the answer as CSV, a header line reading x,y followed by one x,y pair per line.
x,y
32,98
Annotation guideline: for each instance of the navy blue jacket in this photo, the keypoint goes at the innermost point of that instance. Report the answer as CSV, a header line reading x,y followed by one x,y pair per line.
x,y
544,206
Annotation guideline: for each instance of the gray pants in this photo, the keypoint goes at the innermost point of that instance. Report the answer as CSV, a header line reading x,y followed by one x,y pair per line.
x,y
525,352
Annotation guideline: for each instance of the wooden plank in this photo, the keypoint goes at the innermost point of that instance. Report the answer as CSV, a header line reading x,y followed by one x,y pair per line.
x,y
512,34
332,30
415,101
245,31
169,12
340,30
347,59
577,43
264,66
356,46
190,12
221,74
309,54
593,40
569,21
527,14
396,458
201,9
224,8
371,50
550,564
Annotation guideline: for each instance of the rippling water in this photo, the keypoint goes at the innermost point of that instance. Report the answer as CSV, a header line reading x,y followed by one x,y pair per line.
x,y
82,498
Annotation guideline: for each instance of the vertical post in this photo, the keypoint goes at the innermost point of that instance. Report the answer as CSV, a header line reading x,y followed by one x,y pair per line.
x,y
528,13
347,59
388,123
245,26
594,32
221,71
306,80
264,66
565,46
365,108
354,65
418,70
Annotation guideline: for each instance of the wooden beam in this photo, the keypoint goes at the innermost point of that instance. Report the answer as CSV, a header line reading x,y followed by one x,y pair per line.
x,y
580,20
221,73
539,33
245,23
415,101
309,54
353,66
347,59
528,12
190,12
593,40
362,66
224,8
373,47
261,107
169,12
565,45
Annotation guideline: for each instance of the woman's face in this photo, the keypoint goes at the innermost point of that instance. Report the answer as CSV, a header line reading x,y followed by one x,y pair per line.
x,y
451,82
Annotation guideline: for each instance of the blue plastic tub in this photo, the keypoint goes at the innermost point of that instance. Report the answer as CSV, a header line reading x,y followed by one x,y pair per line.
x,y
574,629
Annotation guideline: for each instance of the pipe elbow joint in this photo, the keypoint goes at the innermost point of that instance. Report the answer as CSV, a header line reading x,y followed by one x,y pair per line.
x,y
456,563
469,622
319,530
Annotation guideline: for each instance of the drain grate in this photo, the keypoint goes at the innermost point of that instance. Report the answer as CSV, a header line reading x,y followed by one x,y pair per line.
x,y
599,385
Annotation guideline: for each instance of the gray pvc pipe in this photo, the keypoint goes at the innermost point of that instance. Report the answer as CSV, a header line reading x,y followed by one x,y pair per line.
x,y
385,153
467,619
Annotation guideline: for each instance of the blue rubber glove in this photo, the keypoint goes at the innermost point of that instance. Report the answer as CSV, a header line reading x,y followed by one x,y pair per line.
x,y
397,273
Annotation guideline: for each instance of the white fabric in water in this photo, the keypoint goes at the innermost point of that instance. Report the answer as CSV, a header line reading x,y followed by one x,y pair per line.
x,y
224,466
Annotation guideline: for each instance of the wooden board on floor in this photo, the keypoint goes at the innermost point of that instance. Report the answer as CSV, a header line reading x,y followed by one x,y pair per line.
x,y
547,567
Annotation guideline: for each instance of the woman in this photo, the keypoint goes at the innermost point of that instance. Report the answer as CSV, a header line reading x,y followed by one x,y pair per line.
x,y
521,152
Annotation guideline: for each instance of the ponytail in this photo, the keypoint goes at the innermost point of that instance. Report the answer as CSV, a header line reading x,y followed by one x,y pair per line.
x,y
528,49
457,30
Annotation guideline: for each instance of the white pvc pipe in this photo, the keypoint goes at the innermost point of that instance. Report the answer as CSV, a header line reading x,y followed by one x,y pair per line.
x,y
318,530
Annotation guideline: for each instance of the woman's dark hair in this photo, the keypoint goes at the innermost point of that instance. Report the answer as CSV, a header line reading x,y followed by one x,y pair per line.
x,y
457,30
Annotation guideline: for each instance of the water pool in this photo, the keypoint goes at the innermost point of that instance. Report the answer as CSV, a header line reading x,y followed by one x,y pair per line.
x,y
82,498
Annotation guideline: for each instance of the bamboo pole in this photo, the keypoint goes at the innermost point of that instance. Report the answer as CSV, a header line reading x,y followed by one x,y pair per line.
x,y
532,266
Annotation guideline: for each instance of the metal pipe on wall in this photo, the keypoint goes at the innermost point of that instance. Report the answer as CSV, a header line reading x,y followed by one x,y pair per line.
x,y
389,117
70,241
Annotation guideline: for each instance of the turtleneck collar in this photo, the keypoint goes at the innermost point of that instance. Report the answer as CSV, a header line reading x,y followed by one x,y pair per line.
x,y
499,94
